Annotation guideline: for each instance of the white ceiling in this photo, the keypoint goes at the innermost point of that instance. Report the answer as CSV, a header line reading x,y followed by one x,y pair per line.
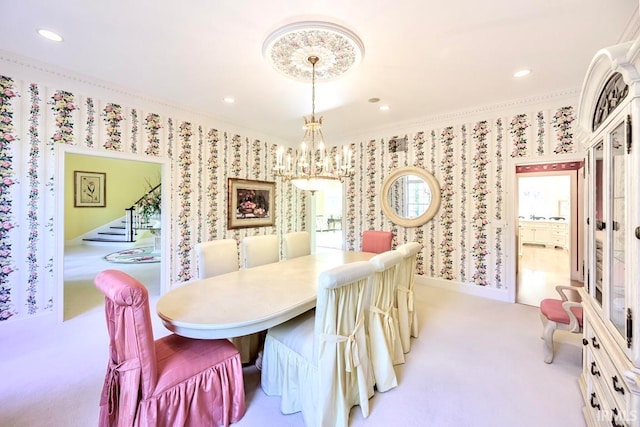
x,y
422,57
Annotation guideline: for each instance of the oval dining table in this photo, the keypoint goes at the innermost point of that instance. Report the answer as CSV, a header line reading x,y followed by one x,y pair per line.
x,y
248,300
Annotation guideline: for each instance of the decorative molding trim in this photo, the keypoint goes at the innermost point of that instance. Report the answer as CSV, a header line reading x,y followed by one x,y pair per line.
x,y
454,117
54,71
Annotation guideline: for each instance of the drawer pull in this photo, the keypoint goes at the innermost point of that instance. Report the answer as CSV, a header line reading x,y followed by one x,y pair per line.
x,y
615,385
594,371
593,403
613,418
594,342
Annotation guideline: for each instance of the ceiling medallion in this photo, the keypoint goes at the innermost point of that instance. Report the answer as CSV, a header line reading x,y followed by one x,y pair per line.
x,y
288,48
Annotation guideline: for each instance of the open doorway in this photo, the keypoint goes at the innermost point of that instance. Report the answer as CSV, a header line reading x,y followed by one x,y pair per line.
x,y
548,239
125,181
328,219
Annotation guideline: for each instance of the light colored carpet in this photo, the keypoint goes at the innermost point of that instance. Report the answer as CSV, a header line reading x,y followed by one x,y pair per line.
x,y
477,362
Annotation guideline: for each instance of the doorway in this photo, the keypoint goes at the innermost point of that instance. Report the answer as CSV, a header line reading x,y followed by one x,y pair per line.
x,y
328,219
81,262
548,240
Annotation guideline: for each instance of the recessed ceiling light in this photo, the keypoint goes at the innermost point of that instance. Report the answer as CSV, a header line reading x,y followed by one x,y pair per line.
x,y
229,99
50,35
521,73
384,108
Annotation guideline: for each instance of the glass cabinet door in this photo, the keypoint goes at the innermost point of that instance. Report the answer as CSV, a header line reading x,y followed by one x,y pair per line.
x,y
599,242
616,232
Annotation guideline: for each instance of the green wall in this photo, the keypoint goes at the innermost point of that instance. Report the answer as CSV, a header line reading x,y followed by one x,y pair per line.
x,y
126,181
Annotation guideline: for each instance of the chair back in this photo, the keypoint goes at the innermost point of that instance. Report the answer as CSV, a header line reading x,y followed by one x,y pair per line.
x,y
340,345
296,244
259,250
384,333
407,317
217,257
132,357
376,241
407,271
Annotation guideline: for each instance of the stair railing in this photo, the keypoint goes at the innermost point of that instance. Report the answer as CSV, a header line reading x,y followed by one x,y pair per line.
x,y
133,220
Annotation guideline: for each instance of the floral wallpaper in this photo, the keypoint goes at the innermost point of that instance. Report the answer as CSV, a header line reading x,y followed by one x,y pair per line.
x,y
447,215
113,117
464,243
7,222
562,120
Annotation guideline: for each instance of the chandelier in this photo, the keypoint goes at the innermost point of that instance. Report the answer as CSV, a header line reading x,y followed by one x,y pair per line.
x,y
319,50
313,168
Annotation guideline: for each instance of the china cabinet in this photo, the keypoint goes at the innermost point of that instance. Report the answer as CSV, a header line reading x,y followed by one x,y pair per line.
x,y
609,124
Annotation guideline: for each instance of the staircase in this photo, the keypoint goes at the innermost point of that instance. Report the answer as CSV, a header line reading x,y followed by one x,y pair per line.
x,y
117,233
128,230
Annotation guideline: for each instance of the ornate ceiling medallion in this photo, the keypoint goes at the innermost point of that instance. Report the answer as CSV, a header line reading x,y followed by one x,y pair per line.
x,y
288,48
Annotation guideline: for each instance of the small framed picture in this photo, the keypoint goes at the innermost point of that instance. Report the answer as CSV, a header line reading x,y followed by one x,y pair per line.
x,y
89,189
251,203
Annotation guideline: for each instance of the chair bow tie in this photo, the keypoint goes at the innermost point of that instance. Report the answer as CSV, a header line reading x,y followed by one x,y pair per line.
x,y
387,321
351,353
113,380
409,297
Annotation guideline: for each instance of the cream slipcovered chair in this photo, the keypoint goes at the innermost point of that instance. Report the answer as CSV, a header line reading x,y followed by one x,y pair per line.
x,y
376,241
219,257
407,317
259,250
296,244
167,382
384,336
559,314
318,362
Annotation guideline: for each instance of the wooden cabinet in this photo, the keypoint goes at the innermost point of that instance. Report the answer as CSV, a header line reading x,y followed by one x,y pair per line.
x,y
609,124
548,233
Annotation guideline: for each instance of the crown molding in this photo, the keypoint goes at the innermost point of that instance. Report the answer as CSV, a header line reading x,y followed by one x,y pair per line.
x,y
481,112
51,75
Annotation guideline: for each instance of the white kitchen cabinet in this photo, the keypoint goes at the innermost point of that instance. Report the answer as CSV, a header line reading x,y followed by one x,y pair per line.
x,y
541,232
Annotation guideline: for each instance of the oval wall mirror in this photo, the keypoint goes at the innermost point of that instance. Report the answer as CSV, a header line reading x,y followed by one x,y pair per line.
x,y
410,196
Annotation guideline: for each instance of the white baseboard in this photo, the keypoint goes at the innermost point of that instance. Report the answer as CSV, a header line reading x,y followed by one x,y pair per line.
x,y
480,291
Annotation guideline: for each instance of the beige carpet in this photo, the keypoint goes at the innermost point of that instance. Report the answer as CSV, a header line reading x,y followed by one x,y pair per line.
x,y
477,362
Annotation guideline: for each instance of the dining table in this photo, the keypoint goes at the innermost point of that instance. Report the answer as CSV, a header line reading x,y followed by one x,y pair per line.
x,y
249,300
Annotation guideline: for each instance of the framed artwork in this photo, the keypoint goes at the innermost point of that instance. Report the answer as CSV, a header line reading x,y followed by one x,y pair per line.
x,y
251,203
89,189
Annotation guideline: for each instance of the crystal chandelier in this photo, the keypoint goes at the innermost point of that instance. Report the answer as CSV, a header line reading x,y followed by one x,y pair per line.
x,y
313,168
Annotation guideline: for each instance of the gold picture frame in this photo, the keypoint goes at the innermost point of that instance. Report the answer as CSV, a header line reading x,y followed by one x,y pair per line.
x,y
90,189
251,203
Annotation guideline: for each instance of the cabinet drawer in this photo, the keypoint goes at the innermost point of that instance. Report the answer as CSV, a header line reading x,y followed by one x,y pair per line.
x,y
606,380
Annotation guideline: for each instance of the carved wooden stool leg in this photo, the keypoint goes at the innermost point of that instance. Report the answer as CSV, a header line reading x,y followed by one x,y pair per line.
x,y
549,327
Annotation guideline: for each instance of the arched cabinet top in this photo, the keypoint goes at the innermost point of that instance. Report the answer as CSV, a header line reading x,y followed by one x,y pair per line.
x,y
622,59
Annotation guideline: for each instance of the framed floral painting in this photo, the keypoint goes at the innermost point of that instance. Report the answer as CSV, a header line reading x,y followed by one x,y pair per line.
x,y
89,189
251,203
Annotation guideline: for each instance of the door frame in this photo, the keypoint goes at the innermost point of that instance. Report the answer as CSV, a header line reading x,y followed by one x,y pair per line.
x,y
577,215
60,154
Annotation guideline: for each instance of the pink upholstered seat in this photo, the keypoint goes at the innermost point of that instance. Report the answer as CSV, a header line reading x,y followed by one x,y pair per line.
x,y
559,314
168,382
552,309
376,241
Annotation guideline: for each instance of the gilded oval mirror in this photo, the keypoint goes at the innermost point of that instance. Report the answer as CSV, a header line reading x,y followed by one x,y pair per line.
x,y
410,196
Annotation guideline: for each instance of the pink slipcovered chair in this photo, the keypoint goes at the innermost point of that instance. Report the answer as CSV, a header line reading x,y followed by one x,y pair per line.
x,y
559,314
376,241
167,382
